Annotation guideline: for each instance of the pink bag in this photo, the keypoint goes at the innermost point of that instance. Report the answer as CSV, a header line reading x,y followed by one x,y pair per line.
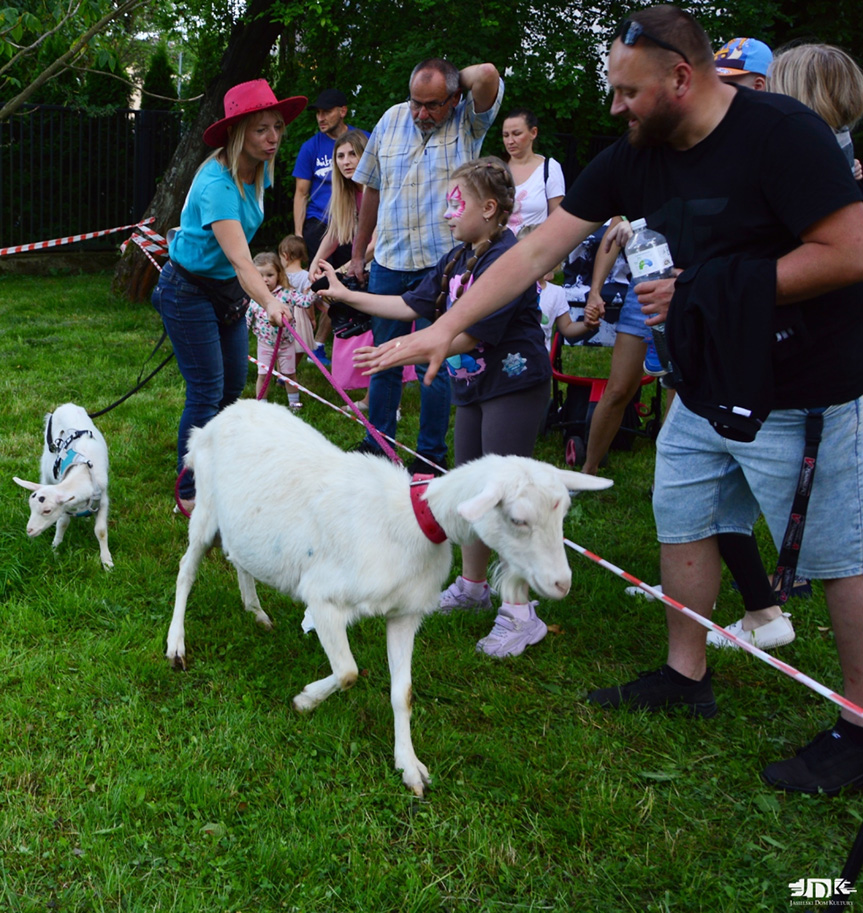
x,y
343,370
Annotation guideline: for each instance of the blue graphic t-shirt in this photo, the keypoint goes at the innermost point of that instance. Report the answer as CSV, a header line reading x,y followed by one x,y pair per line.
x,y
511,353
315,163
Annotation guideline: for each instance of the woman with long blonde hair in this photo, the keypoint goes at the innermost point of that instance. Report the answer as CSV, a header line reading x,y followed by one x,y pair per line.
x,y
335,248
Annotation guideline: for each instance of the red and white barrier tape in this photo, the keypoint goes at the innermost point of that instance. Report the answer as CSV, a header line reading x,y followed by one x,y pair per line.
x,y
712,626
146,248
70,239
148,240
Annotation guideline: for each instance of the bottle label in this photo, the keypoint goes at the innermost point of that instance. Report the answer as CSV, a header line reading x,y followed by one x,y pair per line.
x,y
651,261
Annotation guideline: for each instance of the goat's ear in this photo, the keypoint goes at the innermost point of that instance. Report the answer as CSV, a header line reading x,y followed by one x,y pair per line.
x,y
30,486
580,481
481,504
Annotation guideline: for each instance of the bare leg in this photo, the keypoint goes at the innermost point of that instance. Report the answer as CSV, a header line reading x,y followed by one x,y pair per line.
x,y
623,380
249,594
259,385
474,560
100,528
60,529
691,575
330,626
202,531
845,601
324,327
401,630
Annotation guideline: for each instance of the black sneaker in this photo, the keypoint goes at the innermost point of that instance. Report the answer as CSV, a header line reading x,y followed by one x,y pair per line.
x,y
365,446
656,691
420,466
829,763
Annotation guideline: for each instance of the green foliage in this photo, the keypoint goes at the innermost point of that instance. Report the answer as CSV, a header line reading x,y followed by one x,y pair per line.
x,y
128,786
160,81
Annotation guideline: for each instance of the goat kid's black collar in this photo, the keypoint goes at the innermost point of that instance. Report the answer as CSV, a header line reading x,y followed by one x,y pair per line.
x,y
432,530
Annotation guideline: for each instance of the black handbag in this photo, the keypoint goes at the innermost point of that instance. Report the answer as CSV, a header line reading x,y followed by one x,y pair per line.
x,y
229,301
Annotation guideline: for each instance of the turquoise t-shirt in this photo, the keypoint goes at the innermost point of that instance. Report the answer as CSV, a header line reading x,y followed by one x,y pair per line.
x,y
213,196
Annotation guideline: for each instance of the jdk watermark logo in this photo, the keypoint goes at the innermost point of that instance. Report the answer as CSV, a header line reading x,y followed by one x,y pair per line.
x,y
822,891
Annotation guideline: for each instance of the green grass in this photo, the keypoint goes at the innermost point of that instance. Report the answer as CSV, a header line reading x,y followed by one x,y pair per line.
x,y
126,786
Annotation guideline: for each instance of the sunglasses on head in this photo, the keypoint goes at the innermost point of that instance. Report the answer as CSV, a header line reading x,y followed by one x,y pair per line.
x,y
630,31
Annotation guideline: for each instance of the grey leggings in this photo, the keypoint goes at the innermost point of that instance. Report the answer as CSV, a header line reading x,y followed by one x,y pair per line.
x,y
507,424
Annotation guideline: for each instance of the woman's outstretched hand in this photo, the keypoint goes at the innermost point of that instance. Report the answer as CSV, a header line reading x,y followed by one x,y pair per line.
x,y
429,346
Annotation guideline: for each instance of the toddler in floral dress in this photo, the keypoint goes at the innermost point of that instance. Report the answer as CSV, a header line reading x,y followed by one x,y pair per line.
x,y
259,323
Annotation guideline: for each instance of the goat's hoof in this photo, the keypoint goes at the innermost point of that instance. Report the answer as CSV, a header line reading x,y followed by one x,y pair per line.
x,y
108,565
303,703
417,779
179,663
264,621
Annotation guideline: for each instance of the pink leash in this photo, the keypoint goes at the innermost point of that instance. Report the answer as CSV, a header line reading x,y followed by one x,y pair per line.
x,y
378,437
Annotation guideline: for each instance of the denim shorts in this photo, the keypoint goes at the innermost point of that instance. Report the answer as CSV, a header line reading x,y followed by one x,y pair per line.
x,y
631,318
706,484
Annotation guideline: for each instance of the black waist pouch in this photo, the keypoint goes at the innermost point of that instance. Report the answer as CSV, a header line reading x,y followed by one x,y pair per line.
x,y
226,295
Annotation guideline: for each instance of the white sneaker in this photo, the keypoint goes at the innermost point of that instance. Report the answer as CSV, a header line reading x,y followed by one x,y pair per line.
x,y
637,591
776,633
455,597
510,634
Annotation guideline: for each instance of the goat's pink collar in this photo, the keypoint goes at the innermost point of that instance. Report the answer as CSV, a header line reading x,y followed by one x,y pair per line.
x,y
430,527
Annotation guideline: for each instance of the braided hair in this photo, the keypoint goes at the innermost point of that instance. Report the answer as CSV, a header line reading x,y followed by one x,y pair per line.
x,y
486,178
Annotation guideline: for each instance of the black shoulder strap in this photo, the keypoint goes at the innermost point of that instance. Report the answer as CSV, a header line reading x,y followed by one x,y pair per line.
x,y
786,567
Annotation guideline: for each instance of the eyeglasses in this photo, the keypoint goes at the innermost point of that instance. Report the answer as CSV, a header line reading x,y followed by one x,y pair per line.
x,y
630,31
430,106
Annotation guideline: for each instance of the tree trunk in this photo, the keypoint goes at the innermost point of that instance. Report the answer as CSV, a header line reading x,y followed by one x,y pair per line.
x,y
248,49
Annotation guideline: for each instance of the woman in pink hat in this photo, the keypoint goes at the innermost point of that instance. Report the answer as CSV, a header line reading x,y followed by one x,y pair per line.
x,y
203,290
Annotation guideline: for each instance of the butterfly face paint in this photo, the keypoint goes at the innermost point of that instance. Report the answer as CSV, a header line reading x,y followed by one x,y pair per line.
x,y
454,204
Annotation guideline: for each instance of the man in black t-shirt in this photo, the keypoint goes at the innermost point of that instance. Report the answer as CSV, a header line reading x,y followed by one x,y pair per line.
x,y
750,190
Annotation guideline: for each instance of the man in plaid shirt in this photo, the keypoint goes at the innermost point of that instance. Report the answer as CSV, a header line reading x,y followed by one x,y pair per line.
x,y
406,167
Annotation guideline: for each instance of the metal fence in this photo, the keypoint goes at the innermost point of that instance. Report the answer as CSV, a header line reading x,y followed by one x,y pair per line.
x,y
64,172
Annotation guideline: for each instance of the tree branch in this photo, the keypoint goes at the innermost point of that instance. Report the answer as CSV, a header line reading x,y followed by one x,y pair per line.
x,y
64,60
24,51
134,85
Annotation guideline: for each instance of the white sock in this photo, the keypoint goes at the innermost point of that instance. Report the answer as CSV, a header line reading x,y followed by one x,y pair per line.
x,y
474,588
293,397
521,610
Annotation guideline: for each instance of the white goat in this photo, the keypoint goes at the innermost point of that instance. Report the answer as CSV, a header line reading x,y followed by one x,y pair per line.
x,y
338,531
73,477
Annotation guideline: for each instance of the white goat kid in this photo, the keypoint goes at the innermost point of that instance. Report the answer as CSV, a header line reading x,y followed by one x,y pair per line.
x,y
339,532
73,477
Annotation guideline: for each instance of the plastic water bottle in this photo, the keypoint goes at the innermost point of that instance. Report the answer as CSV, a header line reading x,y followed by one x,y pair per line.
x,y
648,257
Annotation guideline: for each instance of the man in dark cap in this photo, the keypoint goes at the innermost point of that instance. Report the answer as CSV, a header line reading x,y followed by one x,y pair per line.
x,y
314,167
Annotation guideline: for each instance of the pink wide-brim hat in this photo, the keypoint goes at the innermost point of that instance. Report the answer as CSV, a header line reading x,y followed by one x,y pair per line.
x,y
247,98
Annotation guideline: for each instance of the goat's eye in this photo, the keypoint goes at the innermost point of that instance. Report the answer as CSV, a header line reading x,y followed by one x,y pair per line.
x,y
517,521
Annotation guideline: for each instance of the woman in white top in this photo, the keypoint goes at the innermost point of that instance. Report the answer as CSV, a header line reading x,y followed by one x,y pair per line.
x,y
539,183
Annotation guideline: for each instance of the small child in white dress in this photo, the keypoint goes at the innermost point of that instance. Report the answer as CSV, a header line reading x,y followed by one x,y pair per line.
x,y
555,307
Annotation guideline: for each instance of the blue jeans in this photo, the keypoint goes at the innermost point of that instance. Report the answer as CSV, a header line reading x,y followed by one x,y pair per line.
x,y
212,358
385,389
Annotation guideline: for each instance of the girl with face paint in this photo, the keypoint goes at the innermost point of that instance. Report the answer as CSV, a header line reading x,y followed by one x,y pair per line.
x,y
499,370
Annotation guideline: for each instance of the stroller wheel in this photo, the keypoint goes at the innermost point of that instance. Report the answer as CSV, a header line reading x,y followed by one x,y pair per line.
x,y
575,451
